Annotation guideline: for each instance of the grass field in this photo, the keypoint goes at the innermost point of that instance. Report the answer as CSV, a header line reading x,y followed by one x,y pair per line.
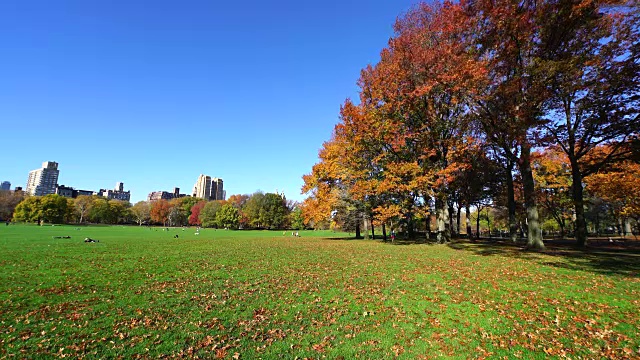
x,y
259,294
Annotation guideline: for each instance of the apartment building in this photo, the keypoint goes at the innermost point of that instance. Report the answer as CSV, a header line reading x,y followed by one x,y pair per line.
x,y
43,181
209,188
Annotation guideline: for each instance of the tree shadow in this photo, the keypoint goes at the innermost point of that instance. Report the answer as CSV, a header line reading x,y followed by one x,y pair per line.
x,y
605,259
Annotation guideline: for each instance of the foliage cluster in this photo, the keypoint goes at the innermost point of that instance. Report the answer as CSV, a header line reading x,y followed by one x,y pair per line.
x,y
262,211
463,95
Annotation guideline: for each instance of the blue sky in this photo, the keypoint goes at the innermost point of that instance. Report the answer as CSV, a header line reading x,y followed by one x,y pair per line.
x,y
154,93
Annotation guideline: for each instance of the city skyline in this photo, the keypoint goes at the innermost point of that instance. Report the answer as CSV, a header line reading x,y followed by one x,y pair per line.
x,y
44,181
117,92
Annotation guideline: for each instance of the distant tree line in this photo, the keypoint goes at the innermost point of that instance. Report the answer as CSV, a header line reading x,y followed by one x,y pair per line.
x,y
256,211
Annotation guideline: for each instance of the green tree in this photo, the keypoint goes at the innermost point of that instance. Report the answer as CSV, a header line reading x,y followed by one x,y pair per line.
x,y
54,208
119,211
187,203
273,211
208,214
28,210
297,219
252,207
227,217
101,211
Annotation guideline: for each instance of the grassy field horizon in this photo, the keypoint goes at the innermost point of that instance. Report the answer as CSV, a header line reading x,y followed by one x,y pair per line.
x,y
140,292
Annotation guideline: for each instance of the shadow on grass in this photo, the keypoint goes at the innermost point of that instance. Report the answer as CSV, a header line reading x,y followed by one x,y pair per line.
x,y
602,259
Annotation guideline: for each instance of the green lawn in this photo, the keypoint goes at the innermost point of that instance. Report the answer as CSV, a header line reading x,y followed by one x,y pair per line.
x,y
250,294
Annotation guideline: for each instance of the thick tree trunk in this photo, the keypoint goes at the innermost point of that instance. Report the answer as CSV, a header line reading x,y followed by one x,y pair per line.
x,y
410,232
384,232
366,228
358,231
534,237
467,209
442,218
373,229
627,227
452,228
578,203
511,203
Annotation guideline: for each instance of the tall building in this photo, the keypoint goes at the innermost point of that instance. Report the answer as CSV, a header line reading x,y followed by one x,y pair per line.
x,y
202,188
5,185
217,189
43,181
209,188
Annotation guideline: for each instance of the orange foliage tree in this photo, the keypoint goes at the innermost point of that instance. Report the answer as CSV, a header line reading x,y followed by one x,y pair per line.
x,y
160,210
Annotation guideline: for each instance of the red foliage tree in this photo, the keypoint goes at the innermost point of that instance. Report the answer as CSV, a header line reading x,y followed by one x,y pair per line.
x,y
194,219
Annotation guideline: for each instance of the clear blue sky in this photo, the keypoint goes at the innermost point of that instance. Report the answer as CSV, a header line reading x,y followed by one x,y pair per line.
x,y
154,93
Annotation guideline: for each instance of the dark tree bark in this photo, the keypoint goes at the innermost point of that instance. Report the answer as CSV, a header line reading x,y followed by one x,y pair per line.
x,y
511,202
384,232
468,220
534,237
578,204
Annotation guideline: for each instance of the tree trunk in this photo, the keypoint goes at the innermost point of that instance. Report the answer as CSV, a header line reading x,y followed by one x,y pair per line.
x,y
477,223
384,232
410,233
511,203
534,237
458,214
428,226
451,214
358,230
442,217
627,227
467,209
366,228
373,229
488,223
578,203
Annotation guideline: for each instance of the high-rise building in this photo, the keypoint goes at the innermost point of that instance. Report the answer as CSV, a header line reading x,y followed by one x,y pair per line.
x,y
5,185
202,188
43,181
217,189
208,188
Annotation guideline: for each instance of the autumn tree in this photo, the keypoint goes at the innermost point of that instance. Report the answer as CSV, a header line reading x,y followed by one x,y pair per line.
x,y
619,186
160,210
552,175
141,212
593,76
8,202
179,211
194,218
